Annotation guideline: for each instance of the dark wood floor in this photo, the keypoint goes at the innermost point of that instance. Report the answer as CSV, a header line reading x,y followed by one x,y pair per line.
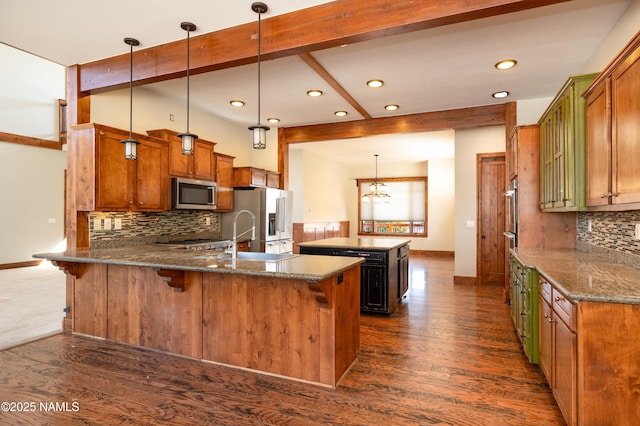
x,y
449,356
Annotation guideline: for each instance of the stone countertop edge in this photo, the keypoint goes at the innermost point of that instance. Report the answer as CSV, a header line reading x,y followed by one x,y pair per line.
x,y
184,260
582,276
359,243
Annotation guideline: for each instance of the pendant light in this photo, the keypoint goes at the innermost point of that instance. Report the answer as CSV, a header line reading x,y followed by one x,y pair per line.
x,y
130,145
259,130
188,138
376,190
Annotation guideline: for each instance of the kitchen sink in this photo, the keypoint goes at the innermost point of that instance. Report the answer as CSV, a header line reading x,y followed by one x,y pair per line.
x,y
270,257
251,256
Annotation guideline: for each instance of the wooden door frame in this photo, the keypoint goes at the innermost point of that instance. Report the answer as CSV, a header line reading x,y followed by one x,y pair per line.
x,y
479,158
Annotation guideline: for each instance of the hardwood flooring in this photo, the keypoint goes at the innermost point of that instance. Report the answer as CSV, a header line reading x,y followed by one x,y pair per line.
x,y
449,356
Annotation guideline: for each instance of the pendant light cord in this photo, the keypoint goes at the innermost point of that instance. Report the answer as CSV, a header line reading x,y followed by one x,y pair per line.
x,y
259,50
131,91
188,61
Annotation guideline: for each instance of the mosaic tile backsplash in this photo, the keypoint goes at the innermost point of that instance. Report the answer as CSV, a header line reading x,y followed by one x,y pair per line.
x,y
612,235
118,229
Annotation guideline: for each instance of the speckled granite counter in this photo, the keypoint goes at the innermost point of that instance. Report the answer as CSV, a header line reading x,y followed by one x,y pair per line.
x,y
309,268
582,276
358,243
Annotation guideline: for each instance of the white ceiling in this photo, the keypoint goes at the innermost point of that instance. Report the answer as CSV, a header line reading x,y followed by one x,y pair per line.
x,y
437,69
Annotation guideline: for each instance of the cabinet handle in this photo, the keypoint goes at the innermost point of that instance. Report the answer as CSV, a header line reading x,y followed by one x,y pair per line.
x,y
611,194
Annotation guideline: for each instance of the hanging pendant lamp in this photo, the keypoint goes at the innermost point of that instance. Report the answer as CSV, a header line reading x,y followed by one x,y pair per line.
x,y
376,189
130,145
188,138
259,130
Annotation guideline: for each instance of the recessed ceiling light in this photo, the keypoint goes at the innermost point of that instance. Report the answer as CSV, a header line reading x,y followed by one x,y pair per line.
x,y
314,92
500,95
506,64
236,103
391,107
375,83
273,120
341,113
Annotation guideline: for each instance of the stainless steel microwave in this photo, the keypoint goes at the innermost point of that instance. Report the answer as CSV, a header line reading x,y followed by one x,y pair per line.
x,y
193,194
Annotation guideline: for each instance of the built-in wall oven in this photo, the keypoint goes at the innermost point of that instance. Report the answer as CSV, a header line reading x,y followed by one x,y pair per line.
x,y
511,198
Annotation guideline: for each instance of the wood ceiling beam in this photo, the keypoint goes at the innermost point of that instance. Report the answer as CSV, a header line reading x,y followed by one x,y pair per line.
x,y
324,26
322,72
464,118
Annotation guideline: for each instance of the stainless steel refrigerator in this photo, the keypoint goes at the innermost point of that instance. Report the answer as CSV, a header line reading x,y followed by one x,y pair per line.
x,y
272,209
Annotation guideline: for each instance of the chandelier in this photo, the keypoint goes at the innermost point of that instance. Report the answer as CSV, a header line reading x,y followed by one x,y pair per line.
x,y
376,190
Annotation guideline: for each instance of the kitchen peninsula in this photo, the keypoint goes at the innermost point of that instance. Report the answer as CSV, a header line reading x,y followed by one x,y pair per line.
x,y
384,276
296,316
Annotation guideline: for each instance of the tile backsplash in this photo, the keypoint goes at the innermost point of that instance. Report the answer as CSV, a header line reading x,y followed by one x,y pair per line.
x,y
612,235
117,229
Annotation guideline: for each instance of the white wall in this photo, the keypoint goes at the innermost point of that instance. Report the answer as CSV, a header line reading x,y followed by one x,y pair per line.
x,y
151,111
32,189
468,144
322,188
624,30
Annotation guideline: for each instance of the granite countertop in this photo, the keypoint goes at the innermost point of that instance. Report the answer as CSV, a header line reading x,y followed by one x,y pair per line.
x,y
358,243
582,276
300,267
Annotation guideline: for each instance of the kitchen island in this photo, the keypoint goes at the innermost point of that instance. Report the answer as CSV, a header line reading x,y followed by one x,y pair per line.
x,y
295,316
384,276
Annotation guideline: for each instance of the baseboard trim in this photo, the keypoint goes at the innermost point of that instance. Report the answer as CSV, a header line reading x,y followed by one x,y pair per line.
x,y
20,264
464,280
432,253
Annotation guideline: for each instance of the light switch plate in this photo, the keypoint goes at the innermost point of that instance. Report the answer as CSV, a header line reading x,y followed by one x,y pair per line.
x,y
107,224
637,231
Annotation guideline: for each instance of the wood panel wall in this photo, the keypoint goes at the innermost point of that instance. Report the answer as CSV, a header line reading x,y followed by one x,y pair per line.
x,y
303,232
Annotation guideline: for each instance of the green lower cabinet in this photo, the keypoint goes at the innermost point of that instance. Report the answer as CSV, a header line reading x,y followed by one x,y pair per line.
x,y
524,306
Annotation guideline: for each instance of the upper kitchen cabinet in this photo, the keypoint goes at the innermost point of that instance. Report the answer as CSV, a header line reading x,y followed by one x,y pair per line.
x,y
613,133
224,179
244,177
106,180
200,165
562,148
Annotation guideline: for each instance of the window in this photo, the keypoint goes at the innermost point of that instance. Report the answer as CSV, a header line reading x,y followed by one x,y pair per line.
x,y
403,214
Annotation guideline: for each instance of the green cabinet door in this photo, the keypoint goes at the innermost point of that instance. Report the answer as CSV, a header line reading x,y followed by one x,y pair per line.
x,y
563,148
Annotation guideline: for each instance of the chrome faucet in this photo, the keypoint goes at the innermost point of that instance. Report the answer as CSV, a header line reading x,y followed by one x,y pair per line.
x,y
234,244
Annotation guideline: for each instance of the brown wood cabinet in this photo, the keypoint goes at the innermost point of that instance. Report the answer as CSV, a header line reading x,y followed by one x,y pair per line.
x,y
557,347
200,165
224,179
255,177
589,354
613,132
249,176
273,179
106,180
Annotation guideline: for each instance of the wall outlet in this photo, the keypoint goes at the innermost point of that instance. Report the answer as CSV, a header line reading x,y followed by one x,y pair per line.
x,y
589,226
97,224
637,231
117,223
107,224
207,221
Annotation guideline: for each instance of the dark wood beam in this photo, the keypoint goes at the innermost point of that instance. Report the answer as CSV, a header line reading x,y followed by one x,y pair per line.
x,y
327,25
322,72
463,118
